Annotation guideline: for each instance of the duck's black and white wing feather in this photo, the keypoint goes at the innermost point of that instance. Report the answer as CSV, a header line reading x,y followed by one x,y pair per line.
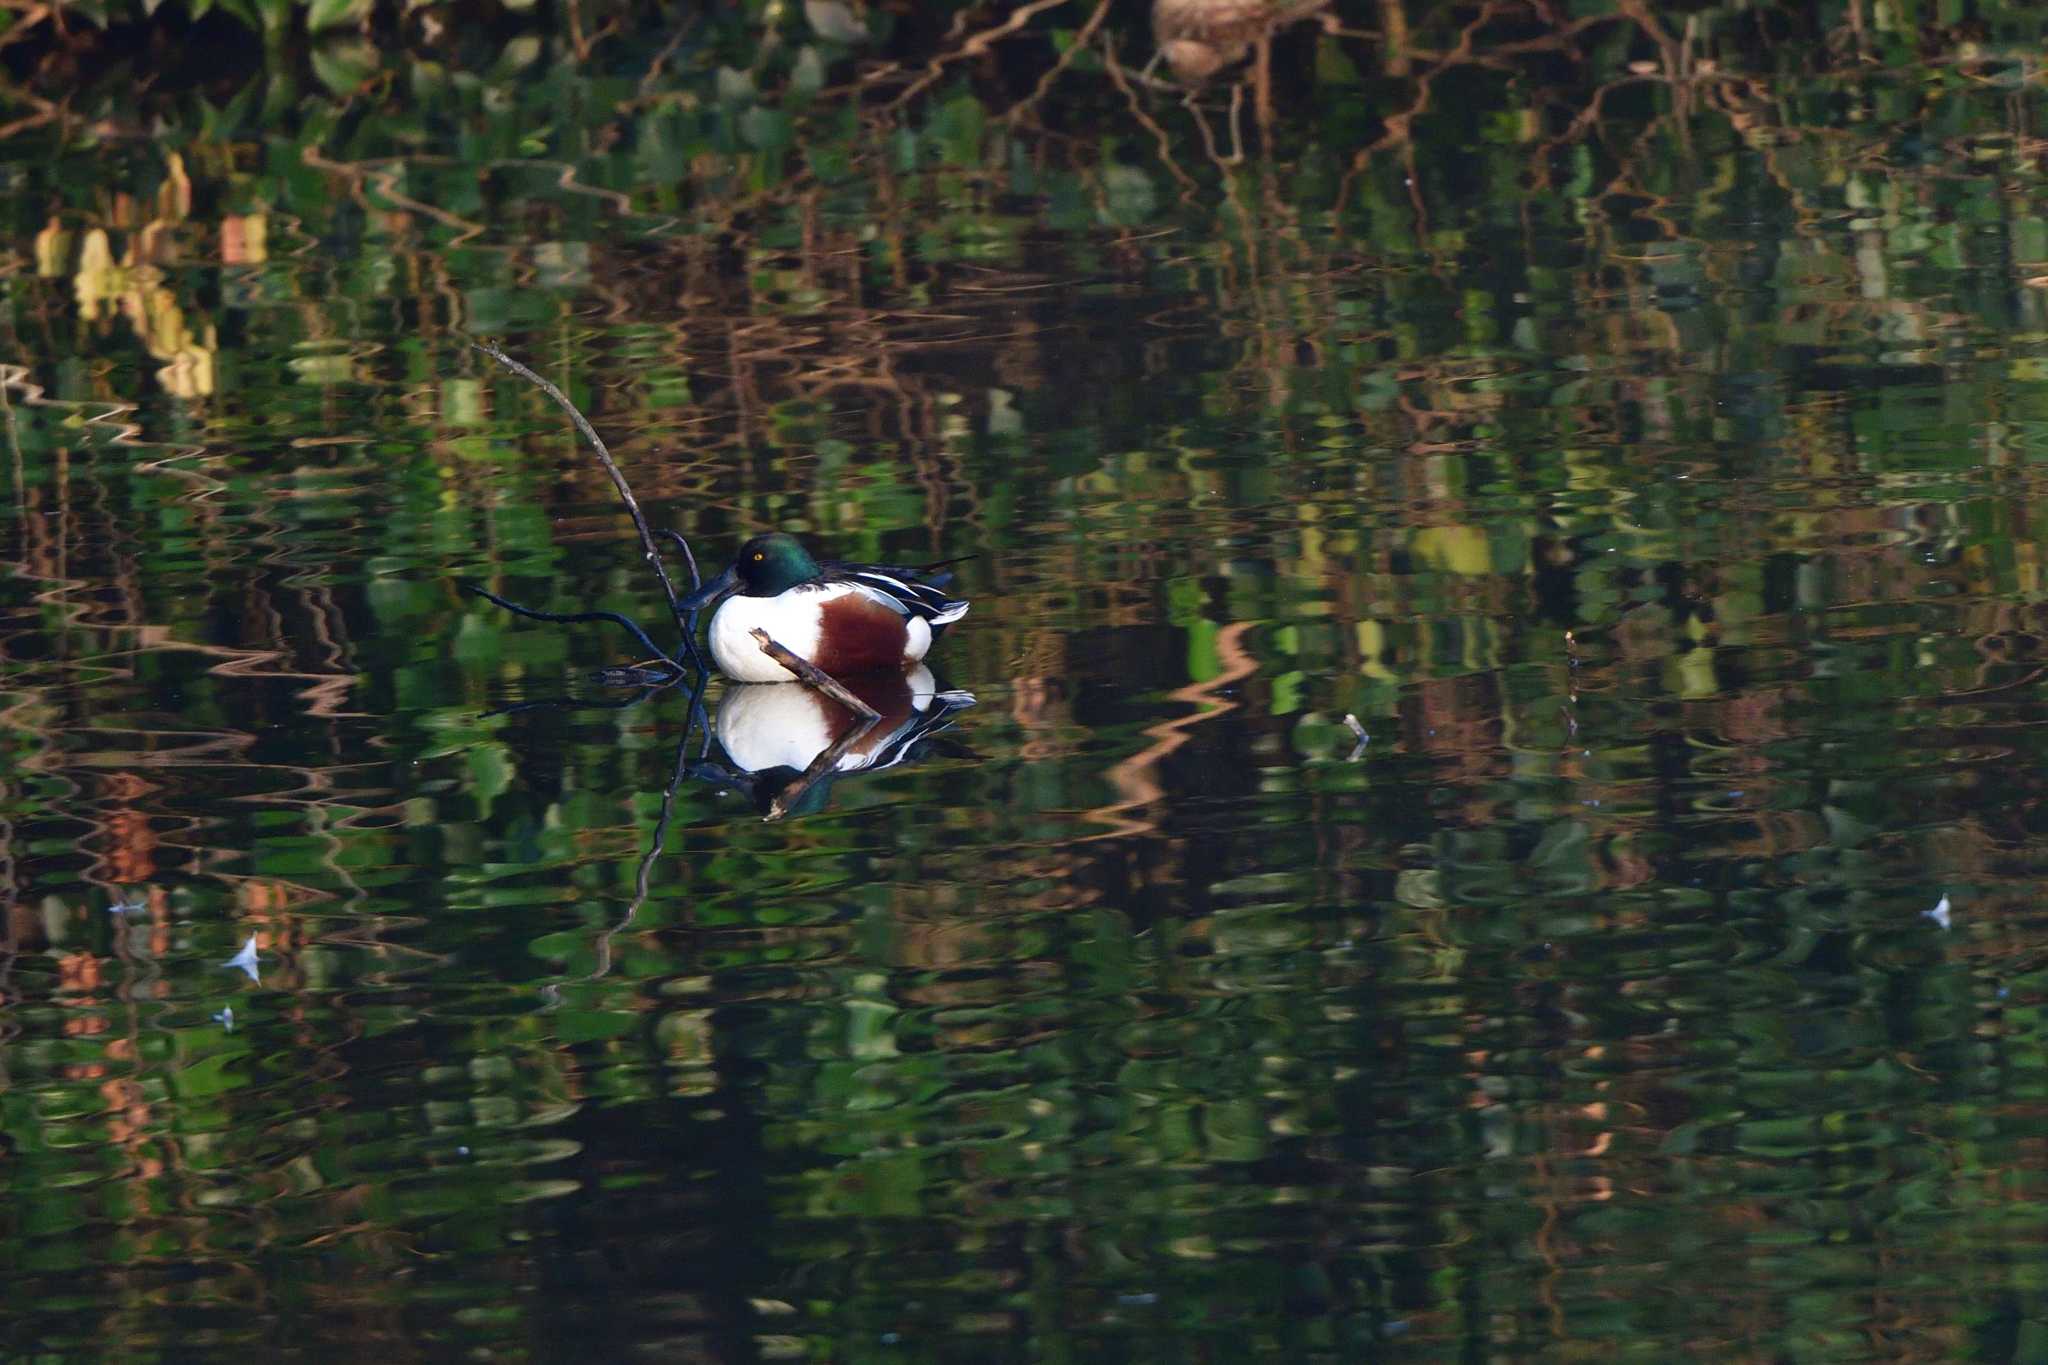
x,y
909,594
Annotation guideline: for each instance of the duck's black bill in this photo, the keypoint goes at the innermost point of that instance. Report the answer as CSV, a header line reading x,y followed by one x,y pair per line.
x,y
712,591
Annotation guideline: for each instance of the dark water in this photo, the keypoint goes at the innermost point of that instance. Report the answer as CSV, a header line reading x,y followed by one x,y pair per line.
x,y
1676,544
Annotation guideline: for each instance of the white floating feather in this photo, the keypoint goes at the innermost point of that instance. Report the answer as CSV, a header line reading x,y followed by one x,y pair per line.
x,y
245,960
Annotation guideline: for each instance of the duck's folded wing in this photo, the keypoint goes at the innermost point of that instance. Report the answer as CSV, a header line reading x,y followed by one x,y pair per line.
x,y
904,592
909,573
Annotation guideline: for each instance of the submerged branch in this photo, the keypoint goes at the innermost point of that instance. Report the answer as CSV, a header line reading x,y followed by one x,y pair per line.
x,y
570,618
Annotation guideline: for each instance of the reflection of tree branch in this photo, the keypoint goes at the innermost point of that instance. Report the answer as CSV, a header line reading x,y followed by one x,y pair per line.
x,y
1116,76
584,45
1075,48
1554,42
1134,776
26,17
28,121
976,45
48,111
643,876
668,50
621,203
823,766
1971,694
1400,125
1221,162
387,185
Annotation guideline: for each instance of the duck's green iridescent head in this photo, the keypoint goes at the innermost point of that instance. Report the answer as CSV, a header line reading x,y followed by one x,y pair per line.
x,y
771,564
767,565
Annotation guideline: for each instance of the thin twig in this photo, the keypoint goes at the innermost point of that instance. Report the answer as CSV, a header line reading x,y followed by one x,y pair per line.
x,y
686,621
689,557
812,676
571,618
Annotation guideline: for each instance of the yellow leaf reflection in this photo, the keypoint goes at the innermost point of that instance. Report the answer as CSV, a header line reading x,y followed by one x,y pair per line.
x,y
244,239
98,279
138,291
53,250
1459,549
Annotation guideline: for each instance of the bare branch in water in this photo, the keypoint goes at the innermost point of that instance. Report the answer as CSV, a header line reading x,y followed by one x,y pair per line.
x,y
689,557
573,618
685,620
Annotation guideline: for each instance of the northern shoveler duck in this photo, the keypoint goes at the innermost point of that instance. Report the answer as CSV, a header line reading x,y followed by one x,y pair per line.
x,y
787,725
848,619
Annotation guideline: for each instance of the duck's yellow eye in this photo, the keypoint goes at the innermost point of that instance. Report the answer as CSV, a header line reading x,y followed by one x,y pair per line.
x,y
758,556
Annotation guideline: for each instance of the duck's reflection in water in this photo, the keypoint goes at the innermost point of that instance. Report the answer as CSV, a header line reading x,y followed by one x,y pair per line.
x,y
786,744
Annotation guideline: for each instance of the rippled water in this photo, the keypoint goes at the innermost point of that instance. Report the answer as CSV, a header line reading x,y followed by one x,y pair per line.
x,y
1657,971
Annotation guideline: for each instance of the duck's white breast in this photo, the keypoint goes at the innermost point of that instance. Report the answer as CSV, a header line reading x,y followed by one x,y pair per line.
x,y
791,619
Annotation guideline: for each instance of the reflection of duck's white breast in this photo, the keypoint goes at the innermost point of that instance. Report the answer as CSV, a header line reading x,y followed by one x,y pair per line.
x,y
786,725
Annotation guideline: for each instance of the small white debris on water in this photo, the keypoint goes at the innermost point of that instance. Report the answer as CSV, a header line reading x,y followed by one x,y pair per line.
x,y
1939,914
245,960
226,1018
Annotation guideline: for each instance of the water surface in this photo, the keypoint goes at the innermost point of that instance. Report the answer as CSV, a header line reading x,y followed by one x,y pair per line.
x,y
1658,973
